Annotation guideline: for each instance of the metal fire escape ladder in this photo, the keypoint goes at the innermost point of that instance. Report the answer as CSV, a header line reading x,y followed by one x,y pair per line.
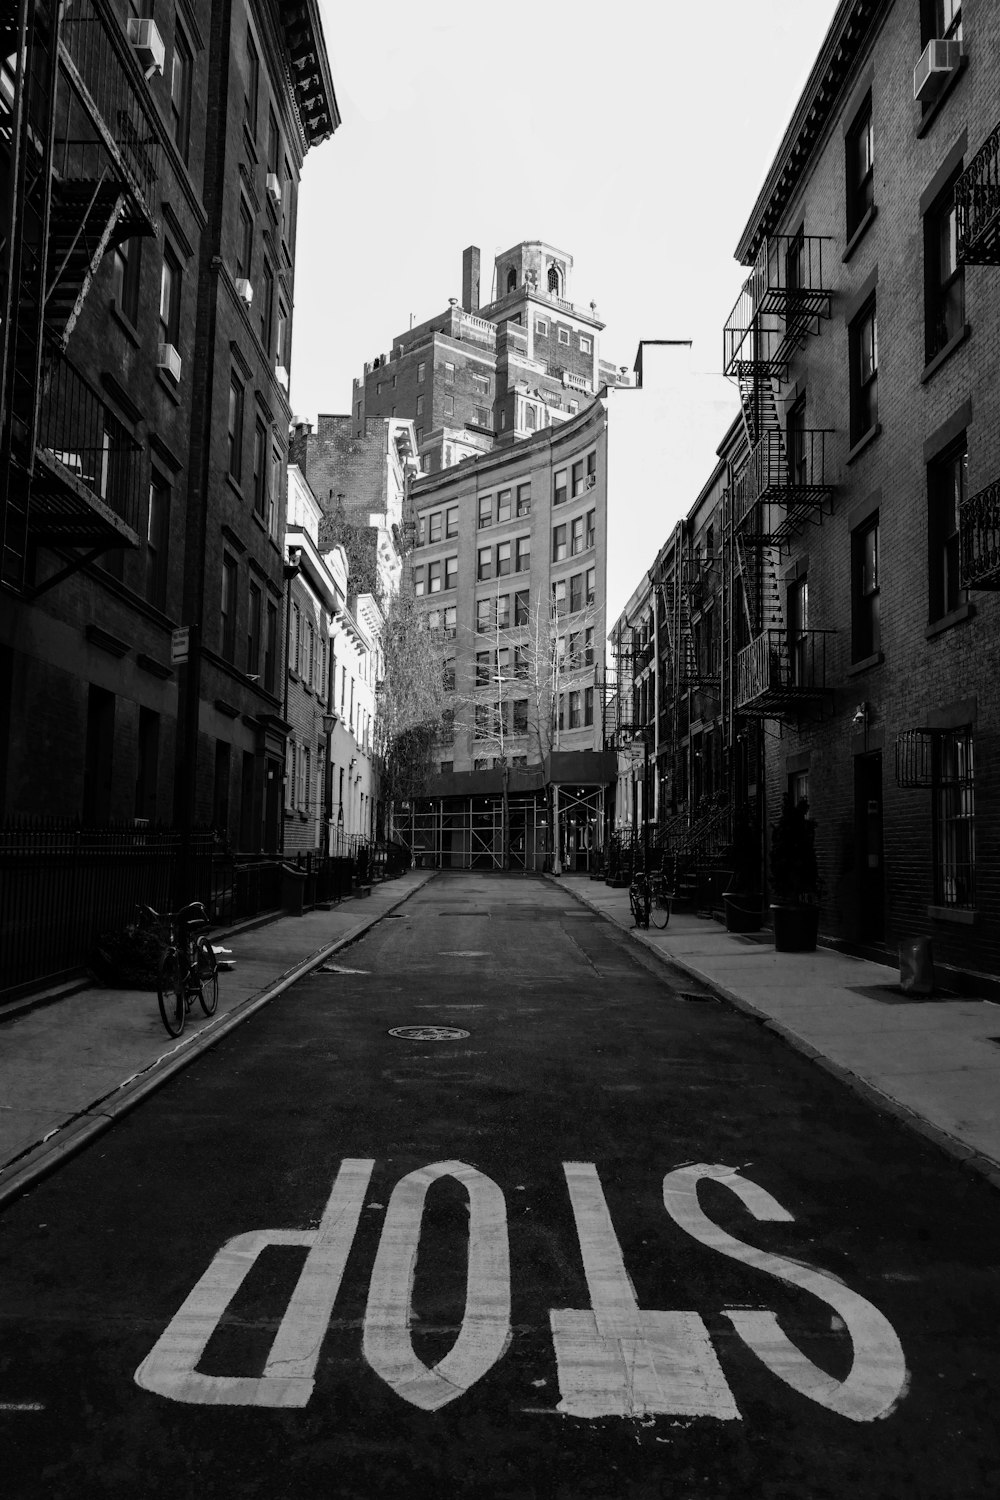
x,y
83,220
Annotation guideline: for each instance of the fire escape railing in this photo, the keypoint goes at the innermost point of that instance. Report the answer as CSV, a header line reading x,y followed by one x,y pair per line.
x,y
783,483
779,304
780,670
979,539
977,206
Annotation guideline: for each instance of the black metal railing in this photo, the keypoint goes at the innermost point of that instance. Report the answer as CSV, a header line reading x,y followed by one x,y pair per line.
x,y
780,670
106,115
977,206
82,438
786,474
782,297
979,539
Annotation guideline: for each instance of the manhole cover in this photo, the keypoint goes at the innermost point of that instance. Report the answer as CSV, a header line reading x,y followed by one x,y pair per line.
x,y
428,1033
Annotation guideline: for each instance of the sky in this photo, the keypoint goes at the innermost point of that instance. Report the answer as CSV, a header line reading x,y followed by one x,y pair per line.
x,y
635,136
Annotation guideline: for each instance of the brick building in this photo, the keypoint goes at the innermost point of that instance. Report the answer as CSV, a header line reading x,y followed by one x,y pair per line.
x,y
147,283
861,525
509,558
481,375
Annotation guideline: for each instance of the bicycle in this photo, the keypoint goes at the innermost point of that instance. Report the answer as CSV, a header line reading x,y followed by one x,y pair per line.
x,y
187,965
639,898
661,901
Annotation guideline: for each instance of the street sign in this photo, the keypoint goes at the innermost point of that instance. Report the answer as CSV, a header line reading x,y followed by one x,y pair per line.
x,y
179,645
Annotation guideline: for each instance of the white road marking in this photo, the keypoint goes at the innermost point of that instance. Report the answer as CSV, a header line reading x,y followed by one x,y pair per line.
x,y
339,969
485,1332
21,1406
464,953
878,1375
619,1361
288,1378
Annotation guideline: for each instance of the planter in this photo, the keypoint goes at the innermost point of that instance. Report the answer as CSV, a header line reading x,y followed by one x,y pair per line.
x,y
743,911
795,928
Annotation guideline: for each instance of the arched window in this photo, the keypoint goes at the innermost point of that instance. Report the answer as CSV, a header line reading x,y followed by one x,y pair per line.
x,y
512,280
554,280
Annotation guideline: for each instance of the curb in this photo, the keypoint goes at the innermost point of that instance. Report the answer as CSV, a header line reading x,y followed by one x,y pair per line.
x,y
966,1156
79,1130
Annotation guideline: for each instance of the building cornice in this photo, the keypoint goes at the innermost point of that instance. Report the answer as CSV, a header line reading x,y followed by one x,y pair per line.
x,y
850,35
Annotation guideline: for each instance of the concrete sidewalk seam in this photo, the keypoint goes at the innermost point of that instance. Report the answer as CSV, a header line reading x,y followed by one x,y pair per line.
x,y
39,1159
966,1156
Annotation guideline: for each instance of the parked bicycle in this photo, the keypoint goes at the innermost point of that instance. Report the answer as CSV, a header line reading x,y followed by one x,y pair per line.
x,y
649,899
187,968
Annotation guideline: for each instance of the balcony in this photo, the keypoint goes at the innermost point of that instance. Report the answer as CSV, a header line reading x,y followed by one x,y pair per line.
x,y
779,674
979,539
977,205
782,485
779,306
85,491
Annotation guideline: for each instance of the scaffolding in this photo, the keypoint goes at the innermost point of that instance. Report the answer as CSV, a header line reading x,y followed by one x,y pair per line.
x,y
467,832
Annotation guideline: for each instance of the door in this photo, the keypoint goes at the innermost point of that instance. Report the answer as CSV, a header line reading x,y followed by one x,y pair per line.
x,y
868,842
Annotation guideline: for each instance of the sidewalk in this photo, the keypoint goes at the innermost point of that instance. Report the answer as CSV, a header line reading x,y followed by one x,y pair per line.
x,y
933,1062
69,1069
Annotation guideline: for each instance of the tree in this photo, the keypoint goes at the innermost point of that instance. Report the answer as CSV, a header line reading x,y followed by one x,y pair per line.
x,y
411,697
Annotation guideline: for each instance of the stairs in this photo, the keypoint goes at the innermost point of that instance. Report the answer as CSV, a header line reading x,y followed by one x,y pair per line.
x,y
83,220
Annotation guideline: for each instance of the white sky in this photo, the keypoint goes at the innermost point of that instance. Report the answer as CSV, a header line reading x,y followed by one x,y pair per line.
x,y
634,135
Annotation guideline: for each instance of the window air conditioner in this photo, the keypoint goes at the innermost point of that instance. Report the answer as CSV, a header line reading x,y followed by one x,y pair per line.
x,y
591,481
938,61
147,45
273,187
281,376
244,290
168,359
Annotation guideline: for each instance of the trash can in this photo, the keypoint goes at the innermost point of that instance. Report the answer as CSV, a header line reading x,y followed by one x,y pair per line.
x,y
293,885
916,967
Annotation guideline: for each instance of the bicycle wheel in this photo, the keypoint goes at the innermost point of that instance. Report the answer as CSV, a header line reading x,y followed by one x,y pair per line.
x,y
170,991
659,911
207,969
639,902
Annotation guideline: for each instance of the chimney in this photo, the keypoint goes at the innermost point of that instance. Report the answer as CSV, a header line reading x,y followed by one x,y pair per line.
x,y
470,279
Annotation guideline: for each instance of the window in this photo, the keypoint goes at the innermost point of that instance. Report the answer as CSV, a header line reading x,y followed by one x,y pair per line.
x,y
451,521
227,633
541,328
451,612
288,206
254,602
295,644
586,345
252,87
524,499
435,523
564,335
260,469
273,143
954,818
860,167
944,278
591,585
170,298
591,527
561,715
577,536
484,564
421,531
280,351
558,543
947,488
575,710
483,668
235,433
125,277
244,250
798,628
795,444
270,645
521,607
574,407
578,479
559,487
267,307
576,593
451,572
941,19
482,728
863,347
481,384
419,584
181,69
485,511
588,706
559,597
530,417
503,611
521,662
503,559
523,555
420,406
866,636
482,418
434,578
503,505
588,647
448,675
449,372
591,470
309,665
449,406
421,371
157,535
520,715
484,615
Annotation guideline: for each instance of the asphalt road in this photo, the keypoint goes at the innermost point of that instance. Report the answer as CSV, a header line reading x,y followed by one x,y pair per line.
x,y
616,1241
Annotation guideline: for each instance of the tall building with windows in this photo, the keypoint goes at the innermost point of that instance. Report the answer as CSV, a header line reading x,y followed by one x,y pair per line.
x,y
147,254
484,374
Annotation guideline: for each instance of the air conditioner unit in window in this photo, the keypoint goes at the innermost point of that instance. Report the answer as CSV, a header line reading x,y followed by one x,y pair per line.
x,y
938,61
281,376
244,290
168,359
591,481
147,45
273,187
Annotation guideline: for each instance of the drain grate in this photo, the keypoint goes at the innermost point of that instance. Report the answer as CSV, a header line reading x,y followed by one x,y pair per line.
x,y
693,995
428,1033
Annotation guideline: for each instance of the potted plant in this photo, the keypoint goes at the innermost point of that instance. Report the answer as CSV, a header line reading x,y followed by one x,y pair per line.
x,y
743,900
794,878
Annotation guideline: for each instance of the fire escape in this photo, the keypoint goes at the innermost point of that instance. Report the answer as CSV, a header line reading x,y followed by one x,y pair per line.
x,y
81,148
977,203
782,483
